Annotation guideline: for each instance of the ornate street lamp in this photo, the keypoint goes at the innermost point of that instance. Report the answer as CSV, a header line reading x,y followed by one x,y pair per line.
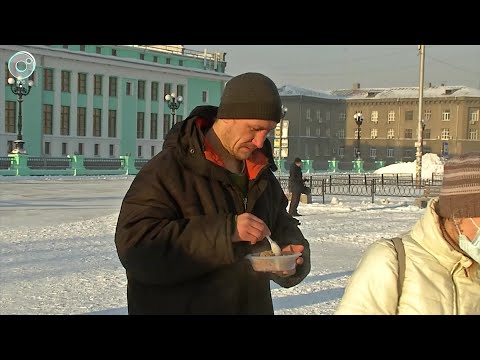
x,y
173,102
358,120
21,65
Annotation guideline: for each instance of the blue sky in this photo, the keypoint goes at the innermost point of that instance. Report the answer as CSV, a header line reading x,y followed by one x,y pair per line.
x,y
325,67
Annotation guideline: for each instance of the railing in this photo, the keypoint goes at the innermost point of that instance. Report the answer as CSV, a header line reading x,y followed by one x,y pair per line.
x,y
139,163
103,164
48,163
394,185
5,162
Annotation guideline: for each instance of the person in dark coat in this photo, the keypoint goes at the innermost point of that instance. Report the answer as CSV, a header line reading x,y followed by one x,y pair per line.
x,y
208,199
296,185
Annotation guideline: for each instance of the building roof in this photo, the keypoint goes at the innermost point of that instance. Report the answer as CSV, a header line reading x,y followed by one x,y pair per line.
x,y
291,90
407,92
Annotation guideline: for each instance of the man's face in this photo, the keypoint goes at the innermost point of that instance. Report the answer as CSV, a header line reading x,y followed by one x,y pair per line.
x,y
241,137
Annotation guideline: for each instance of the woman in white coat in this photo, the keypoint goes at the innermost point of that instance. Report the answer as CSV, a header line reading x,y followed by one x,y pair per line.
x,y
442,256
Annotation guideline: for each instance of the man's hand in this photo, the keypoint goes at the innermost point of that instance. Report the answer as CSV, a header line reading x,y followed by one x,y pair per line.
x,y
250,228
291,249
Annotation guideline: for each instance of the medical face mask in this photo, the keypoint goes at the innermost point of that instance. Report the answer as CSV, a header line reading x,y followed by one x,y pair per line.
x,y
471,248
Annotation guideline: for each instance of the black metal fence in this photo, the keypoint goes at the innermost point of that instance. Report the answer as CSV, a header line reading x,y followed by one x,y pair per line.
x,y
369,185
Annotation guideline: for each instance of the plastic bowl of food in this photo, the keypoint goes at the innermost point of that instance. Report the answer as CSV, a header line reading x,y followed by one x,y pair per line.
x,y
266,261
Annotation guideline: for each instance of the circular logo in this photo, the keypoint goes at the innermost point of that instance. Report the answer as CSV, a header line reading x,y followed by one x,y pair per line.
x,y
21,65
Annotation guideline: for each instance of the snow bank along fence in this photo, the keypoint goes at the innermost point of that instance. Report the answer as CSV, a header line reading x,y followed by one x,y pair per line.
x,y
24,165
371,185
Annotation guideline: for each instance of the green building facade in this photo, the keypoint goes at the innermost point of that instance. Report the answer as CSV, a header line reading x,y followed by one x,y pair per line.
x,y
106,100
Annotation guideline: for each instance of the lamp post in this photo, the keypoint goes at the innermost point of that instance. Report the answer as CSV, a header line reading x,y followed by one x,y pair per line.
x,y
284,112
173,102
18,88
358,120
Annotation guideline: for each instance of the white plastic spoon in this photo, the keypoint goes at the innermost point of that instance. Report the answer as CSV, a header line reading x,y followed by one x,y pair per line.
x,y
275,248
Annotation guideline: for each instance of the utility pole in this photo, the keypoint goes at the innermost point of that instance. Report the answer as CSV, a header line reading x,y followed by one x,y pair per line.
x,y
420,118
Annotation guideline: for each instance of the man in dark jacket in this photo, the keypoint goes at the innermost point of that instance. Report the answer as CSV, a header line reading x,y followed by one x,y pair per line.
x,y
296,185
202,204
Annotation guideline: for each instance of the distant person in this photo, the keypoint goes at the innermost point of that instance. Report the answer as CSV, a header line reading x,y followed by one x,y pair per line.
x,y
442,256
296,186
207,200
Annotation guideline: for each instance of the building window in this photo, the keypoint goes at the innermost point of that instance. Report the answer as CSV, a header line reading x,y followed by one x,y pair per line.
x,y
65,81
373,152
10,117
155,58
81,121
98,50
112,86
318,131
82,83
97,122
473,134
356,133
204,96
408,133
154,91
139,151
111,150
373,133
97,85
153,126
128,90
409,115
9,146
180,89
342,117
140,125
80,148
112,123
307,131
427,115
46,148
96,149
473,116
341,134
47,119
426,134
445,134
168,61
391,116
390,152
341,151
446,115
167,124
141,89
48,79
65,121
407,153
319,116
390,133
64,149
152,151
374,117
167,89
178,118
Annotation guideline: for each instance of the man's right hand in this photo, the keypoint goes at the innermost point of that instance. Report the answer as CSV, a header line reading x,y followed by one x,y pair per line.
x,y
250,228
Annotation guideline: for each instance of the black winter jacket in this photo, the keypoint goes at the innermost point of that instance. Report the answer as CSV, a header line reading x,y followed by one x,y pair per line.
x,y
175,227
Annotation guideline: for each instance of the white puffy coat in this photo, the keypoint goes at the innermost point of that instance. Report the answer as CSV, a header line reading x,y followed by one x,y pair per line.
x,y
436,277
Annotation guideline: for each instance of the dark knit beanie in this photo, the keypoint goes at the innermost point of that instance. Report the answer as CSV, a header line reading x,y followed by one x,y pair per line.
x,y
250,96
460,193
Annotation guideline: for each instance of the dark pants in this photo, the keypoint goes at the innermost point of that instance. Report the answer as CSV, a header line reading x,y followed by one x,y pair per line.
x,y
295,200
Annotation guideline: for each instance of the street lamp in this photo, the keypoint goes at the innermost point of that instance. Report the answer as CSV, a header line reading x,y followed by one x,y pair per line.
x,y
19,89
358,120
173,102
284,112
